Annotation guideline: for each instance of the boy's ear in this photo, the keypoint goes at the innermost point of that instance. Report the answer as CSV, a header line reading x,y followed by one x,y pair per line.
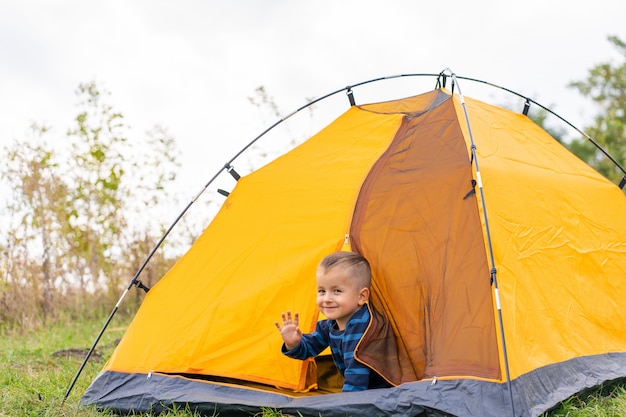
x,y
364,295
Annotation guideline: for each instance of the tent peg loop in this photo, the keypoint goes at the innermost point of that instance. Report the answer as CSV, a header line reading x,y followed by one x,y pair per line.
x,y
231,170
526,107
223,192
622,183
350,95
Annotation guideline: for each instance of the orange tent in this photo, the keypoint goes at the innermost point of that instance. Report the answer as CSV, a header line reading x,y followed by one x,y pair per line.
x,y
499,261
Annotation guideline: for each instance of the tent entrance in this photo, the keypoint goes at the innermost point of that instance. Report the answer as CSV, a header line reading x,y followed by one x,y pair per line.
x,y
431,276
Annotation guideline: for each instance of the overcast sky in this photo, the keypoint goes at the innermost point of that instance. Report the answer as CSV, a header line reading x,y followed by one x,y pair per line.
x,y
190,66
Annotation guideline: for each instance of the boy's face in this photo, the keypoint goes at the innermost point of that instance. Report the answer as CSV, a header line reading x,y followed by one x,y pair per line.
x,y
339,295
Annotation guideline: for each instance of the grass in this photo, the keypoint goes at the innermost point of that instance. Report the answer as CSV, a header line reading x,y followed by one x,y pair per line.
x,y
609,400
36,368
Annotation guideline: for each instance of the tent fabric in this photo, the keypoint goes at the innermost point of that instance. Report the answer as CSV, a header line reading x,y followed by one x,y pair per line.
x,y
396,181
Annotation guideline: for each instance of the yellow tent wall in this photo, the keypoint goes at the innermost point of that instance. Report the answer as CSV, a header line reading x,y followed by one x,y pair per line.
x,y
217,306
559,243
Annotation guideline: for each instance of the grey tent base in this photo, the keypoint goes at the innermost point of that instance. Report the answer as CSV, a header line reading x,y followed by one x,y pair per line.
x,y
533,393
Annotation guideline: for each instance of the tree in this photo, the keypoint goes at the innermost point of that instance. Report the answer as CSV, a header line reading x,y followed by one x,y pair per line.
x,y
606,85
79,210
38,212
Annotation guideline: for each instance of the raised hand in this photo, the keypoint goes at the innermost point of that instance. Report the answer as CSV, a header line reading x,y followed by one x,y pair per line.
x,y
289,331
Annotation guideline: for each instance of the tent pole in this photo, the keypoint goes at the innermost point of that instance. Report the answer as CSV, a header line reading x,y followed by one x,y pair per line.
x,y
493,274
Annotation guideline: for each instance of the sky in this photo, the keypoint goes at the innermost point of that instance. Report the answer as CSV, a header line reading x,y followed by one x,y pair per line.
x,y
191,66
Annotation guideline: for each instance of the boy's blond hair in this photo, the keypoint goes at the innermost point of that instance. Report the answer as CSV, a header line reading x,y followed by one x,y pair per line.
x,y
358,266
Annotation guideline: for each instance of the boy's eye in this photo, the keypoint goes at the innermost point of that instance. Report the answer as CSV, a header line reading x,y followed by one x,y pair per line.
x,y
321,291
337,291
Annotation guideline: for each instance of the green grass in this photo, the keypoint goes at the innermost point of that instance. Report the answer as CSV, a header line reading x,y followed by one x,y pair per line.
x,y
608,400
36,369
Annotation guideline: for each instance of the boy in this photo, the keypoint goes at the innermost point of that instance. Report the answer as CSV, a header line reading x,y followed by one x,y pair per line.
x,y
343,282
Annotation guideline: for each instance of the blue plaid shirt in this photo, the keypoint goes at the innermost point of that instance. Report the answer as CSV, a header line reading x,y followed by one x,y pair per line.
x,y
342,344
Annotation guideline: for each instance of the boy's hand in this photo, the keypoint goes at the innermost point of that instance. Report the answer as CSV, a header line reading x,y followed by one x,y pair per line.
x,y
290,332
